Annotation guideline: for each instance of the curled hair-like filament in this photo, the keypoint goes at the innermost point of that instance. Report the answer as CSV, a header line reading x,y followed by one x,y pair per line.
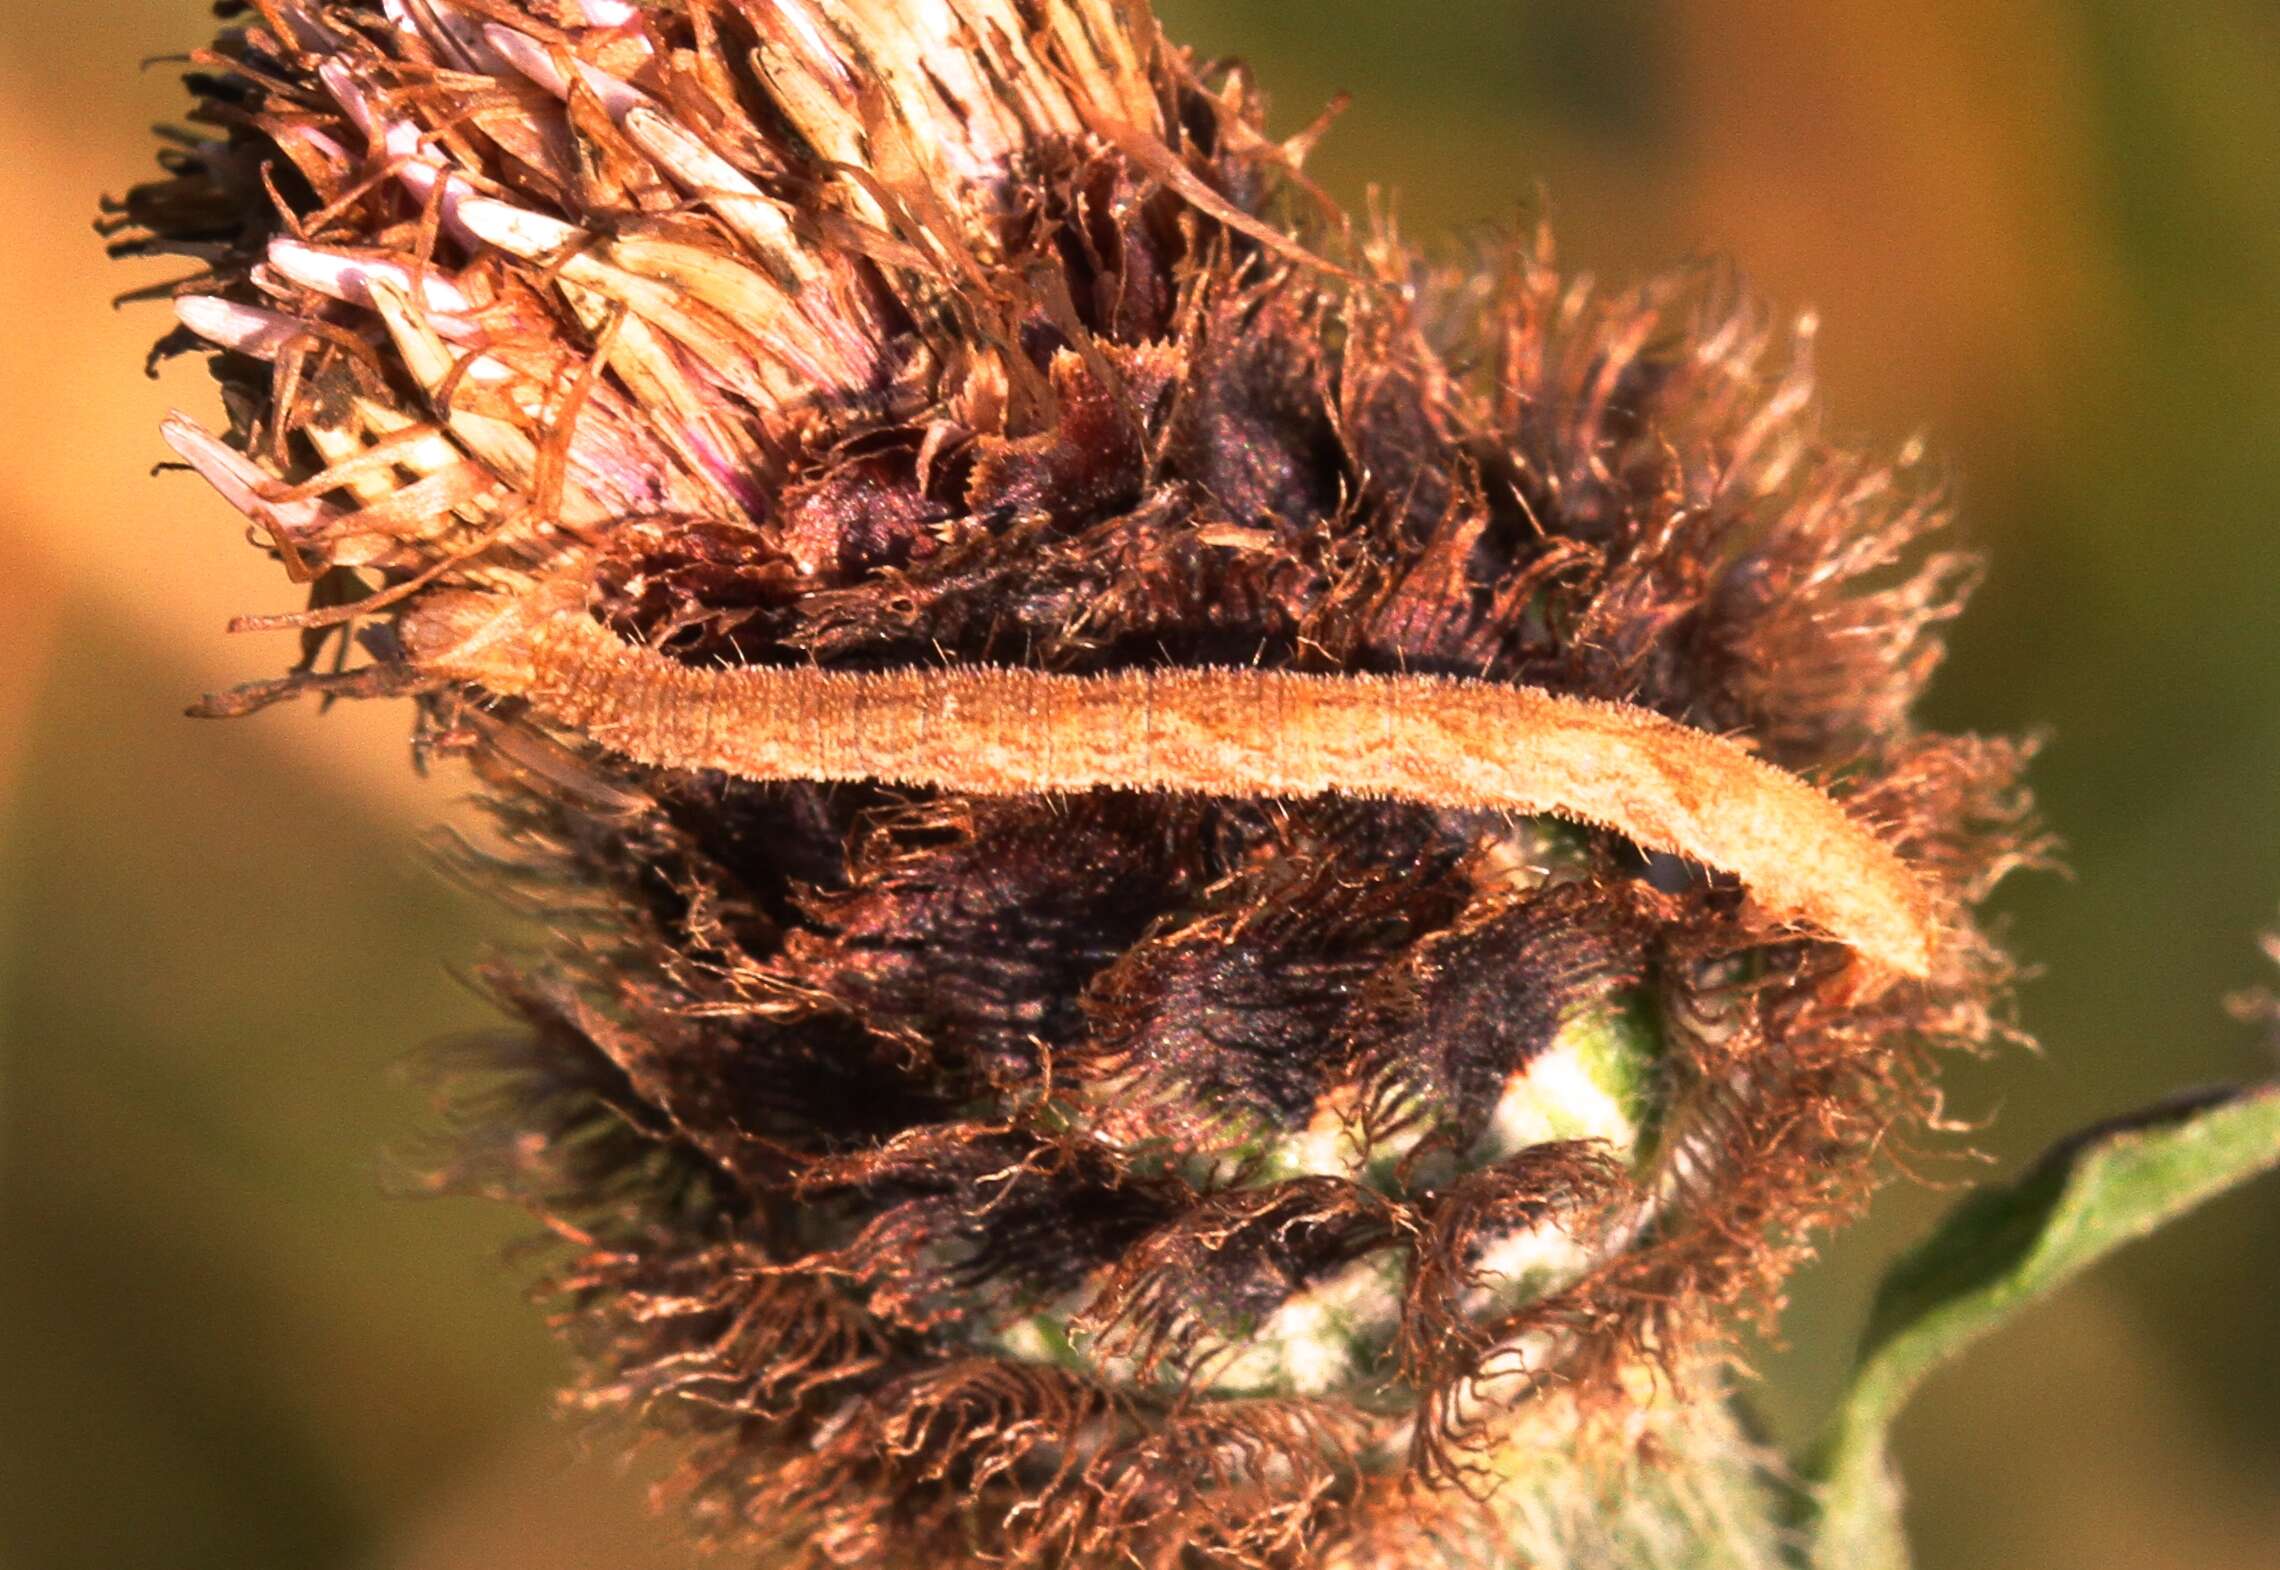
x,y
991,730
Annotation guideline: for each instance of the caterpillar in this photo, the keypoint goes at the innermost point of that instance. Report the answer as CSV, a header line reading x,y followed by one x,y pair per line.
x,y
996,730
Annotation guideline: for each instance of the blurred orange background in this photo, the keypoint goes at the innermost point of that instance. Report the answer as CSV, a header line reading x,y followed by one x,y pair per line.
x,y
2047,233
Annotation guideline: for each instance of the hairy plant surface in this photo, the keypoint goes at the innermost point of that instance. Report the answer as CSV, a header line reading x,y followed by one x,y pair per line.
x,y
968,1145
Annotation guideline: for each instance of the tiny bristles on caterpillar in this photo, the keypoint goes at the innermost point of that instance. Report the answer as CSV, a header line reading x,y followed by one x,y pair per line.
x,y
994,730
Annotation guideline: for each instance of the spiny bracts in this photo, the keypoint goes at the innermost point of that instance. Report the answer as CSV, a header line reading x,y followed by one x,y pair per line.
x,y
1218,1175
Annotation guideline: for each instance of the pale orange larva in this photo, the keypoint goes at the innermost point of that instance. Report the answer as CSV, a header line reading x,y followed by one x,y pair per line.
x,y
999,731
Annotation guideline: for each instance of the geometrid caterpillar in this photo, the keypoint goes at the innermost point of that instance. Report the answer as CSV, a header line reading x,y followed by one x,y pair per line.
x,y
994,730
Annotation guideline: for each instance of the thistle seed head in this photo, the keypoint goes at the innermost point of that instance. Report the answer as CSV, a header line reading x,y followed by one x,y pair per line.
x,y
809,455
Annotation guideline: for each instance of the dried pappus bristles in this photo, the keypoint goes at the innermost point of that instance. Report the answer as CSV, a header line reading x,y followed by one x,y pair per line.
x,y
1211,873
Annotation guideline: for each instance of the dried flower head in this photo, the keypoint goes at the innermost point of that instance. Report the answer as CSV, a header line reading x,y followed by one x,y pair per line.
x,y
1201,866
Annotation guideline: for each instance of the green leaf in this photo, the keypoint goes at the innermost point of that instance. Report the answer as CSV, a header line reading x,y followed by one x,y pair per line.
x,y
2001,1250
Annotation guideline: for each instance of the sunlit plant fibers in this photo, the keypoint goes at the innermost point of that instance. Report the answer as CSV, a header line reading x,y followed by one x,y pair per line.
x,y
914,510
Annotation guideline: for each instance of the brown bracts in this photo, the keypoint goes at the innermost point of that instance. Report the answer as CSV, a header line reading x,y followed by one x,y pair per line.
x,y
1204,868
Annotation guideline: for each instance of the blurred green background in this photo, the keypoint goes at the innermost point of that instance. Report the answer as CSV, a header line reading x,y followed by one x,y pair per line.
x,y
2045,232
